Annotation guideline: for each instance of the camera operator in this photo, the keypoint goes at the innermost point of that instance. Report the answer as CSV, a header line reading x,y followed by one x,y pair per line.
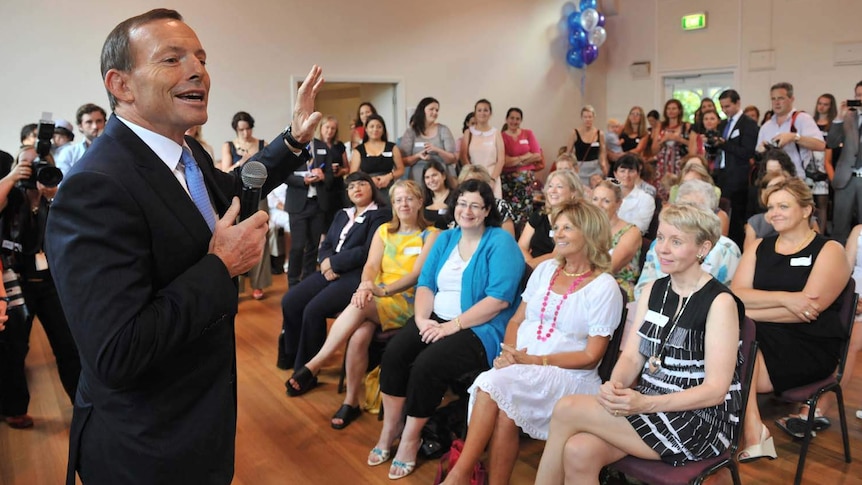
x,y
25,198
847,182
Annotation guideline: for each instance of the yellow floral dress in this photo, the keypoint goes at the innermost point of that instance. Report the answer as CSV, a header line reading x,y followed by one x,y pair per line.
x,y
399,254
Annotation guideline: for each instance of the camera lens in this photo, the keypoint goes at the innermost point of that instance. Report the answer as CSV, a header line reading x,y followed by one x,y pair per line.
x,y
49,176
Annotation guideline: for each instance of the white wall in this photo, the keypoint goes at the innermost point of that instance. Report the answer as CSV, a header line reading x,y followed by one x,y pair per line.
x,y
508,51
800,32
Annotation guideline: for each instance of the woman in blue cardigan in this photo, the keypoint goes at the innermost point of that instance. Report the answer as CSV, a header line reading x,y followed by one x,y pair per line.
x,y
467,292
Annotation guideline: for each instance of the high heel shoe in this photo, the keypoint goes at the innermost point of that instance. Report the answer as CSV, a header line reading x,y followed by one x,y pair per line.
x,y
764,449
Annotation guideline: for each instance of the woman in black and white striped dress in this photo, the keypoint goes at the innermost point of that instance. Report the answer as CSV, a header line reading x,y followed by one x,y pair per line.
x,y
688,392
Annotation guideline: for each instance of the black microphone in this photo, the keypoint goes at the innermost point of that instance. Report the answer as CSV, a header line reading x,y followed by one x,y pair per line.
x,y
253,176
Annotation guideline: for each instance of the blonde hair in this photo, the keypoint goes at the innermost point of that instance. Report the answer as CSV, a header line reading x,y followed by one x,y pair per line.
x,y
699,170
568,178
596,229
690,219
589,108
325,120
615,188
793,186
474,172
414,190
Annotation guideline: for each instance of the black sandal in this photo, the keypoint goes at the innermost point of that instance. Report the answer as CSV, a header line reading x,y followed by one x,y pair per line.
x,y
304,379
347,414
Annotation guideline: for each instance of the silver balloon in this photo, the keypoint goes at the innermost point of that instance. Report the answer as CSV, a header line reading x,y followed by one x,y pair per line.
x,y
598,36
589,19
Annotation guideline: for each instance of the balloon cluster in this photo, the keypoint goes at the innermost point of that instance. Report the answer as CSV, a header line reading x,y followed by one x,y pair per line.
x,y
586,30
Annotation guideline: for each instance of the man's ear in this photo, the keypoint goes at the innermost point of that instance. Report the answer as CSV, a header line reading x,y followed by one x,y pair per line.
x,y
116,82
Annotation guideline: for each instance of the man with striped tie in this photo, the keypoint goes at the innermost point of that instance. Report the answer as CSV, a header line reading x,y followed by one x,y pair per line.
x,y
143,240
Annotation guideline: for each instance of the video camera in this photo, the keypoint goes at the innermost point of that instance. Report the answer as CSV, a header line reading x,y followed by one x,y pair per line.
x,y
44,171
711,141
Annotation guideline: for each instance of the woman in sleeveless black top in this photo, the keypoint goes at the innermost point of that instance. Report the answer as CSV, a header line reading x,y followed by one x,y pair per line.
x,y
683,360
789,284
377,156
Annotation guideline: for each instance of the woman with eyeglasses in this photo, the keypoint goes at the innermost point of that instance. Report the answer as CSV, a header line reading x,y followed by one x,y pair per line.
x,y
546,355
537,239
625,237
323,294
384,298
674,393
467,291
478,172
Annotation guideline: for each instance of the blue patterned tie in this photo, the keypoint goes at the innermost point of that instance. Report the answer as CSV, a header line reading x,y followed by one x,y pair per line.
x,y
197,188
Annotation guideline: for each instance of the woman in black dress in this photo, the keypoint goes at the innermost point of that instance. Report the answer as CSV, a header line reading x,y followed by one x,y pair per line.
x,y
537,238
440,194
687,393
377,156
789,284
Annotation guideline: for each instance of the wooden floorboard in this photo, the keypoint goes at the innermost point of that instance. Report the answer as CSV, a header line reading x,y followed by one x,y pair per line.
x,y
283,440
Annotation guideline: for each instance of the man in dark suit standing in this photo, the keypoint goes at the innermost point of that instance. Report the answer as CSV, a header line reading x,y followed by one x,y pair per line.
x,y
847,182
737,146
146,270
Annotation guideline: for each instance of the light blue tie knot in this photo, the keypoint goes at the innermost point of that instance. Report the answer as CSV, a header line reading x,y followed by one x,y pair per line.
x,y
197,188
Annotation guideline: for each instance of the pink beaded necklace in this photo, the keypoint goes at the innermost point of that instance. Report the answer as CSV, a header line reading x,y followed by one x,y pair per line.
x,y
578,279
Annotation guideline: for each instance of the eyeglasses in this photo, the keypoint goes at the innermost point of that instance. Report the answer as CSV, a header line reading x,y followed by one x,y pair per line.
x,y
357,184
401,200
473,207
614,181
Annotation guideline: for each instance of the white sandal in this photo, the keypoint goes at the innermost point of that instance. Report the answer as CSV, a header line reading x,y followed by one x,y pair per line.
x,y
764,449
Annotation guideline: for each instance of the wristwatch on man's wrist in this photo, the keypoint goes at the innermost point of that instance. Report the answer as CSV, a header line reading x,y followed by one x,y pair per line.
x,y
294,145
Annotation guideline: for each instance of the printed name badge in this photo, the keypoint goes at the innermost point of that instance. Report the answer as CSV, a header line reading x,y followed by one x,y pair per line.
x,y
637,140
321,151
551,233
301,173
360,219
412,250
656,318
387,154
41,261
735,133
801,261
443,211
419,144
594,144
524,142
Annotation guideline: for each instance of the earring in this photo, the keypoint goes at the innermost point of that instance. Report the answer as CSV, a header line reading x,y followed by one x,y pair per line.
x,y
700,258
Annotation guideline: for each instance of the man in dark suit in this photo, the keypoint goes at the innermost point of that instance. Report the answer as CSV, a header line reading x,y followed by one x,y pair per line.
x,y
146,274
847,181
737,145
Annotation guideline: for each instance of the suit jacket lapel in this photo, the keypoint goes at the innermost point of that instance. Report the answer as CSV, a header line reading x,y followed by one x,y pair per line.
x,y
162,182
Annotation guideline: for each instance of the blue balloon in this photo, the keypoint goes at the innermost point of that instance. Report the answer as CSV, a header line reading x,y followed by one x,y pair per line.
x,y
585,4
575,58
578,38
574,20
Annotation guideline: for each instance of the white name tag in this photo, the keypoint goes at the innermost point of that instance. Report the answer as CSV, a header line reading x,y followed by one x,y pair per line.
x,y
524,142
443,211
419,144
387,154
551,233
301,173
735,133
594,144
801,261
412,250
321,151
360,219
656,318
637,140
41,261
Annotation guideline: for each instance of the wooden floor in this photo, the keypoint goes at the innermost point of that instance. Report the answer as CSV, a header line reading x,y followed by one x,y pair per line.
x,y
283,440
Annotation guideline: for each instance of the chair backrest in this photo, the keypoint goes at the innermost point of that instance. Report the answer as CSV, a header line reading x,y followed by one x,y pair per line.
x,y
645,244
612,353
846,315
724,204
748,350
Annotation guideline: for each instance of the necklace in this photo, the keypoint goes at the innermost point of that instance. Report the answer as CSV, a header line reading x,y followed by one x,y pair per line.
x,y
805,241
578,280
655,360
573,275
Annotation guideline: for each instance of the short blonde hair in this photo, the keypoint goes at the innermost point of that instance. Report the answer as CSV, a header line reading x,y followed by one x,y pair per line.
x,y
696,168
793,186
477,172
615,188
414,190
596,229
569,179
703,224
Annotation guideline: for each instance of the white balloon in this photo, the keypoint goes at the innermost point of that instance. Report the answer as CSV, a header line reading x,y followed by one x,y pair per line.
x,y
589,19
598,36
569,8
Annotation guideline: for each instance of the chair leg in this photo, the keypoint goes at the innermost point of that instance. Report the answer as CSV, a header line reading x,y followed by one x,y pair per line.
x,y
839,396
800,467
343,373
734,472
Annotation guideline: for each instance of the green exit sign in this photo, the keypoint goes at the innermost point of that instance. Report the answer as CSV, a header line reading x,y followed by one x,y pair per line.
x,y
694,21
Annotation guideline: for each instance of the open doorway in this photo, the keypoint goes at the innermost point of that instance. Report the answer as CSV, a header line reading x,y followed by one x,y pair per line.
x,y
690,89
342,98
